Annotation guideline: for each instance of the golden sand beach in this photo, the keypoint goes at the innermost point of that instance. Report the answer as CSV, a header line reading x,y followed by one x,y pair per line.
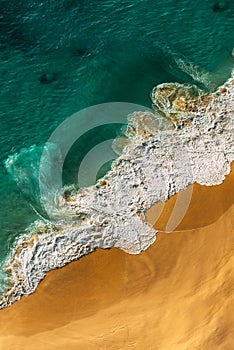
x,y
177,295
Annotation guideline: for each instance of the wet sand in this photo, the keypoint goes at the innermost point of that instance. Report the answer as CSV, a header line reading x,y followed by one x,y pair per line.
x,y
178,295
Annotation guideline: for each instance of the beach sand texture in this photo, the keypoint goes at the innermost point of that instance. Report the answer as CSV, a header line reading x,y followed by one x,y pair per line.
x,y
177,295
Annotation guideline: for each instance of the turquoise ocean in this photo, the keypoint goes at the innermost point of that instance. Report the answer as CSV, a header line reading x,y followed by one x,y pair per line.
x,y
60,56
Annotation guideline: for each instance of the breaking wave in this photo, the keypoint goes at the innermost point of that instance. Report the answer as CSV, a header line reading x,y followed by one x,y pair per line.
x,y
187,138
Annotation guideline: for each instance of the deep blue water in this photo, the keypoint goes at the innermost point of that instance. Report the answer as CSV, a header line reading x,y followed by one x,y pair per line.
x,y
60,56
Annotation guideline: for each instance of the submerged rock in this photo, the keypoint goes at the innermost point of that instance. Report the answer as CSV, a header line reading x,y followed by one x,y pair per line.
x,y
221,6
81,52
48,78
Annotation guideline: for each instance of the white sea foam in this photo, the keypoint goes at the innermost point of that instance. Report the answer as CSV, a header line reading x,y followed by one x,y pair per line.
x,y
197,146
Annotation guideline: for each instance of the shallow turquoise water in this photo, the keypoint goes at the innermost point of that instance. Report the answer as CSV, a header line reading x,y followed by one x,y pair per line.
x,y
94,52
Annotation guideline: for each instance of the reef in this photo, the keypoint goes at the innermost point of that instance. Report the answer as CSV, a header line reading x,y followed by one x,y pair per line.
x,y
221,6
48,78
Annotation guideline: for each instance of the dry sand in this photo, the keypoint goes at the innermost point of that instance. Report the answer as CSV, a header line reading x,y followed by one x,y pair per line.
x,y
178,295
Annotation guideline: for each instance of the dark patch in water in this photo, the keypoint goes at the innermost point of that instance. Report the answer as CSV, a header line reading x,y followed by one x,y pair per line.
x,y
221,6
48,78
81,52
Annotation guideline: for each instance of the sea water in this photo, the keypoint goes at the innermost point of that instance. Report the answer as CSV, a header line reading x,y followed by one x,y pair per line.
x,y
60,56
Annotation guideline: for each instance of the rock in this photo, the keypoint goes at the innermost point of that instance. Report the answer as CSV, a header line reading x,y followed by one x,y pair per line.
x,y
48,78
221,6
81,52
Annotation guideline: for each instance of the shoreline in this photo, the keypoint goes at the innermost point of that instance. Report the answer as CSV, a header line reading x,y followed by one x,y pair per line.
x,y
200,213
111,297
198,147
